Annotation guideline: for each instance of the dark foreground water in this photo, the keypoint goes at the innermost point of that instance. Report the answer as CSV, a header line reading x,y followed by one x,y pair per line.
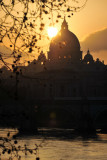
x,y
61,148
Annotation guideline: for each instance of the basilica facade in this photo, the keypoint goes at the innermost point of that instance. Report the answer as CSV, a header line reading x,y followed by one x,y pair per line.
x,y
66,87
65,73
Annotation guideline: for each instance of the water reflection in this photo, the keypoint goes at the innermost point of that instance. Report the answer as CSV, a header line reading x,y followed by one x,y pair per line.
x,y
60,148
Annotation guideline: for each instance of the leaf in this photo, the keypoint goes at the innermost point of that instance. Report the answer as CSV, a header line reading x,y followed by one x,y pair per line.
x,y
15,142
9,151
68,9
8,134
13,2
30,50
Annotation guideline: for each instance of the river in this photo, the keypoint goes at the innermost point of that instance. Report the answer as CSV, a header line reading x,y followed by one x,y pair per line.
x,y
61,148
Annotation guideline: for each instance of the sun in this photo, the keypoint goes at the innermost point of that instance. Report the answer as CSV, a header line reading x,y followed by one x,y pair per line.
x,y
52,32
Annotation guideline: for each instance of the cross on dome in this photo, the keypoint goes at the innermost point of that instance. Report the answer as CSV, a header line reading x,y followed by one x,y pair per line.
x,y
88,51
64,25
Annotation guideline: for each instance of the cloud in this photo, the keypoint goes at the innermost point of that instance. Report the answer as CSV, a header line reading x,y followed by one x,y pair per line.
x,y
96,41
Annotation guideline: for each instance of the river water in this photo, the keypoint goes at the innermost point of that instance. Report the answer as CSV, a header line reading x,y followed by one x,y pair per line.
x,y
61,148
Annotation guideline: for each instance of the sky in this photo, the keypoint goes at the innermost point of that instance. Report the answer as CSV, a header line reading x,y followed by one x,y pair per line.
x,y
92,18
90,26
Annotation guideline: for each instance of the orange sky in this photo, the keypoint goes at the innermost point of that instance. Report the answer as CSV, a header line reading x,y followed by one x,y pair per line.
x,y
92,18
89,20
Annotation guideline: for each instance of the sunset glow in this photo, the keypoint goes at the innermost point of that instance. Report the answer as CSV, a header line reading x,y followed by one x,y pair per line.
x,y
52,32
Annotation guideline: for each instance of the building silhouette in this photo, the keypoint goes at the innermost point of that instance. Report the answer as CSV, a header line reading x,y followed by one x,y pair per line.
x,y
69,90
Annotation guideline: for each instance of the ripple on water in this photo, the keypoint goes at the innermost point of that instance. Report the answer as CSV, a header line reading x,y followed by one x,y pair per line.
x,y
65,149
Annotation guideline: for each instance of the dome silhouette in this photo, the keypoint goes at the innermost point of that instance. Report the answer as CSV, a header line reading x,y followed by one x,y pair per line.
x,y
88,58
65,45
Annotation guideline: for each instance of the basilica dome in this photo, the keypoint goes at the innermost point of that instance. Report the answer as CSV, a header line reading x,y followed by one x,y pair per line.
x,y
88,58
65,45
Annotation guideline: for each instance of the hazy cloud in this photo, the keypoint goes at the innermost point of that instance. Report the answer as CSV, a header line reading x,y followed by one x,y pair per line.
x,y
96,41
